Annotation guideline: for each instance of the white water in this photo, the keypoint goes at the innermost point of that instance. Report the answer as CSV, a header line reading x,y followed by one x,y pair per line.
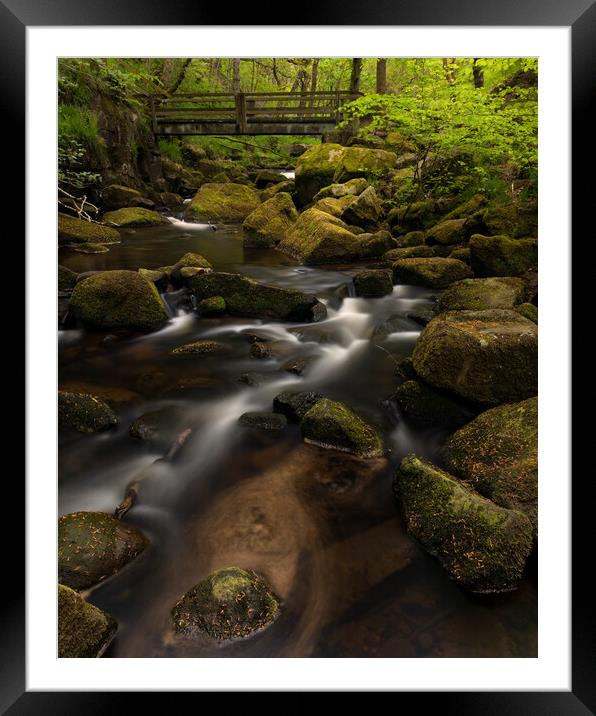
x,y
187,225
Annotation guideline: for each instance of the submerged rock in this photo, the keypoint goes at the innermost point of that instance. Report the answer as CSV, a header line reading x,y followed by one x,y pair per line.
x,y
228,604
269,223
298,366
77,231
84,631
431,272
374,283
223,202
94,545
478,294
84,413
497,454
422,405
488,357
118,299
332,424
245,297
155,424
263,420
502,256
134,216
315,169
201,348
295,405
484,547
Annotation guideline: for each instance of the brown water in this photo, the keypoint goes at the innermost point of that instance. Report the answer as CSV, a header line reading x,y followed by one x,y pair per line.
x,y
319,525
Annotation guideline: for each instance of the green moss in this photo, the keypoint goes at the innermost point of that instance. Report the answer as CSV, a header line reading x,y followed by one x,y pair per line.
x,y
84,631
200,348
117,196
153,276
358,162
332,424
118,299
431,272
67,279
529,311
295,405
409,252
77,231
287,186
269,223
94,545
477,294
512,220
213,306
133,216
190,260
354,187
373,283
462,253
477,202
230,603
422,405
335,207
484,547
447,232
365,210
315,169
223,202
84,413
502,256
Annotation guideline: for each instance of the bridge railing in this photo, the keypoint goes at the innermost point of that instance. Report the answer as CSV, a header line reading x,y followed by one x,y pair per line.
x,y
245,108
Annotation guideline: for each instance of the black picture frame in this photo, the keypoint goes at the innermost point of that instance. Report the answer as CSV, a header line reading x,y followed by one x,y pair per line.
x,y
580,16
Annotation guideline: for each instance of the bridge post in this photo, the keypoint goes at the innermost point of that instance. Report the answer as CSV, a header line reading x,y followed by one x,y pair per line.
x,y
240,101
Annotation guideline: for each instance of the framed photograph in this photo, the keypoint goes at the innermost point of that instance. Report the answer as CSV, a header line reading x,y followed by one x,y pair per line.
x,y
287,416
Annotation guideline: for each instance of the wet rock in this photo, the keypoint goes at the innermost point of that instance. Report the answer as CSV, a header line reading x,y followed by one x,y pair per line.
x,y
66,279
117,196
252,379
263,420
84,413
431,272
332,424
213,306
422,405
94,545
90,248
362,162
393,324
422,316
84,631
201,348
295,405
478,294
371,284
482,546
315,169
354,187
118,299
268,224
133,216
261,350
488,357
497,455
405,369
155,425
228,604
113,395
409,252
189,260
502,256
299,366
365,210
245,297
77,231
223,201
529,311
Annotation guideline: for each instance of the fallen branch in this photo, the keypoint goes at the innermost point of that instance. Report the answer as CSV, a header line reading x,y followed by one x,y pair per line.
x,y
78,204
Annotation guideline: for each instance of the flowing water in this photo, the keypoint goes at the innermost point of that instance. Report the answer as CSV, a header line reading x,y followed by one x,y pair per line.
x,y
321,526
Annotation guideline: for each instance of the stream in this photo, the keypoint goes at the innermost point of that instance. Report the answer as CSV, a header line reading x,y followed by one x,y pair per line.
x,y
320,526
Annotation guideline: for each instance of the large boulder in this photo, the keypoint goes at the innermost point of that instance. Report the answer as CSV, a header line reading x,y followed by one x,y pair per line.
x,y
516,220
364,211
332,424
94,545
452,231
228,604
373,283
223,202
245,297
315,169
502,256
409,252
363,162
189,260
288,186
484,547
497,454
84,413
335,207
478,294
432,272
424,406
133,216
319,238
84,631
77,231
489,357
354,187
118,300
117,196
270,222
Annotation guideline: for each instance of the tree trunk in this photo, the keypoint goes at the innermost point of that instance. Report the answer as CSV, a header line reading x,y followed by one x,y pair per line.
x,y
236,75
382,76
478,74
449,69
177,81
355,76
313,80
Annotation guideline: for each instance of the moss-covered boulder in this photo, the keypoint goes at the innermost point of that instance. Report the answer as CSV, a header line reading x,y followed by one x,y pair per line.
x,y
462,253
94,545
365,210
295,405
288,186
315,169
409,252
223,201
332,424
502,256
497,454
133,216
118,300
478,294
373,283
451,231
170,200
67,279
266,177
354,187
213,306
335,207
516,220
432,272
201,348
77,231
489,357
245,297
358,162
482,546
468,208
270,222
84,413
84,631
412,238
419,215
117,196
230,603
159,278
189,260
529,311
422,405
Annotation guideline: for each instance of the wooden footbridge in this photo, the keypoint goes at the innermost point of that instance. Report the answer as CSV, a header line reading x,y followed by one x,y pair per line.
x,y
250,113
